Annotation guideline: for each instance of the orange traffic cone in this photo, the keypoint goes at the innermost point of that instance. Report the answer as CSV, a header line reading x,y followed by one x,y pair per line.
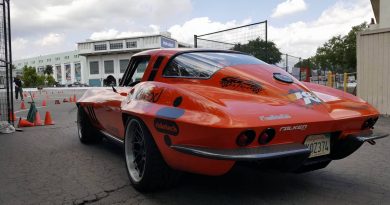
x,y
70,99
48,120
22,106
25,123
38,121
44,103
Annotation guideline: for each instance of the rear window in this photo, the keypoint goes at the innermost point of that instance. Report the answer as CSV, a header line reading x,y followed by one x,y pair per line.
x,y
205,64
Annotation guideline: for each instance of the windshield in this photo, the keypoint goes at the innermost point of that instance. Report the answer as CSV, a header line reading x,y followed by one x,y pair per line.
x,y
205,64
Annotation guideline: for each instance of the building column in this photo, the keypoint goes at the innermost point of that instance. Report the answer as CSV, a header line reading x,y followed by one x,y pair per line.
x,y
72,73
63,80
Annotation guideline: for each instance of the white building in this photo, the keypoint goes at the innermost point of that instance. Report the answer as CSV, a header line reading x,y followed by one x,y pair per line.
x,y
67,66
94,61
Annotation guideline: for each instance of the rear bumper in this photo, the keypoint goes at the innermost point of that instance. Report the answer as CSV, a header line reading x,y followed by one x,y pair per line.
x,y
341,148
247,154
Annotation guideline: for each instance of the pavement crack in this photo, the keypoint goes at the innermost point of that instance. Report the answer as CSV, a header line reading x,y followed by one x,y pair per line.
x,y
97,197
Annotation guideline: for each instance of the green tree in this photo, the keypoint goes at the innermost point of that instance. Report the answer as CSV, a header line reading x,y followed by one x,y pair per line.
x,y
50,80
32,79
48,70
266,51
30,76
339,53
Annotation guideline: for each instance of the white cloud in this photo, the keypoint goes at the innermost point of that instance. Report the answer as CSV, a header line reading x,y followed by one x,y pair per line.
x,y
289,7
113,33
51,39
203,25
303,38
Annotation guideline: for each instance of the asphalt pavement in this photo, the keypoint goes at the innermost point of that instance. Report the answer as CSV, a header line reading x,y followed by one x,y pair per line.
x,y
48,165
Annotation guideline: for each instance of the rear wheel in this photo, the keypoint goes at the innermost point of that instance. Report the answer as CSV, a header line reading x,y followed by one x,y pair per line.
x,y
146,167
86,132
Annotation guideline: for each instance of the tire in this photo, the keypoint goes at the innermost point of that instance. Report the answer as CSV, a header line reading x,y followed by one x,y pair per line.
x,y
146,167
86,132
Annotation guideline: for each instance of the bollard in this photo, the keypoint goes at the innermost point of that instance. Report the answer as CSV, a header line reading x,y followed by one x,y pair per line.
x,y
345,82
330,79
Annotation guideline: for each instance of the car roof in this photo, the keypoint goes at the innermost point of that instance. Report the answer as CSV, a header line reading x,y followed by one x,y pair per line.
x,y
174,51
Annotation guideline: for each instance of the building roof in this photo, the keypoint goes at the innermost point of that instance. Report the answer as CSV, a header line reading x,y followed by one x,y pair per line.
x,y
375,7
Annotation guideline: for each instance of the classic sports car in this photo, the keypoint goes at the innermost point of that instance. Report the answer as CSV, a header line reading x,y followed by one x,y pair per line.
x,y
202,111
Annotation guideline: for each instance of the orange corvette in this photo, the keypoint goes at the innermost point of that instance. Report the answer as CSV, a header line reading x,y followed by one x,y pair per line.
x,y
201,111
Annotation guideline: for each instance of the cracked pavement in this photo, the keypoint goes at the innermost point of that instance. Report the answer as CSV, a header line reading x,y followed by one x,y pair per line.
x,y
48,165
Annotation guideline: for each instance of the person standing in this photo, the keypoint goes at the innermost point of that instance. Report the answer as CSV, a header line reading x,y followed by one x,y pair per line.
x,y
18,88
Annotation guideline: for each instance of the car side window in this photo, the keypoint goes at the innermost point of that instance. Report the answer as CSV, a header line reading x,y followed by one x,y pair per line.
x,y
135,70
140,68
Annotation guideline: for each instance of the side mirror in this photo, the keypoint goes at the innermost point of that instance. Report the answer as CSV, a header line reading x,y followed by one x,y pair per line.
x,y
123,94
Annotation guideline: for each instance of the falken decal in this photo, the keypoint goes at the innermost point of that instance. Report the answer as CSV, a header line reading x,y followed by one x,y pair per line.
x,y
308,98
292,128
238,83
166,126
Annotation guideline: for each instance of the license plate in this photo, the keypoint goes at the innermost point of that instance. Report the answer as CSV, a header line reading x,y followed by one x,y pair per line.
x,y
319,145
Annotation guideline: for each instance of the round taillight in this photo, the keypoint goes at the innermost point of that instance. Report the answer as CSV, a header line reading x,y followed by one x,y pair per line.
x,y
266,136
245,138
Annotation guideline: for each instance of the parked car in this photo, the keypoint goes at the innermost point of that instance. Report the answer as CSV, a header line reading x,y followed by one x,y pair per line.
x,y
202,111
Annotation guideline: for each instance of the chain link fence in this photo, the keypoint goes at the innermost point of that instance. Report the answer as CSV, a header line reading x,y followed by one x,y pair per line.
x,y
6,78
228,39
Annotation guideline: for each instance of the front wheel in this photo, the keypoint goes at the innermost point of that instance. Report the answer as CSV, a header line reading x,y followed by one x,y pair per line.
x,y
86,132
146,167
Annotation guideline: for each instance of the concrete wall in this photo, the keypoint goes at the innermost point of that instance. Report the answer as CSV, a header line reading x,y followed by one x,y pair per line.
x,y
373,68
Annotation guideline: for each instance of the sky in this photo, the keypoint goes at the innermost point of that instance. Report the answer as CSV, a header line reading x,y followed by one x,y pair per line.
x,y
298,27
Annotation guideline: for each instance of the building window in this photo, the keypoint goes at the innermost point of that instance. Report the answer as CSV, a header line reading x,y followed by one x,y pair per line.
x,y
40,61
76,56
58,58
41,69
77,72
131,44
48,60
94,67
100,47
109,67
116,46
123,65
66,57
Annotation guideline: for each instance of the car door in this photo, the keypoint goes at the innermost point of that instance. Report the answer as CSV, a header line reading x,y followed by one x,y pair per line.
x,y
134,74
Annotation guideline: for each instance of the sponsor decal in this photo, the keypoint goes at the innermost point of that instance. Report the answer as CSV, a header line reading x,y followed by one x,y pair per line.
x,y
238,83
166,126
292,128
170,112
275,117
308,98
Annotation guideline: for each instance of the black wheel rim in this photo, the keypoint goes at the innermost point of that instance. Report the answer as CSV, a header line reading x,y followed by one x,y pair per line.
x,y
135,151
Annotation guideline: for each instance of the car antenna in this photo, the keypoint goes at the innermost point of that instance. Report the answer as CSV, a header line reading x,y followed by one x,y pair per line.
x,y
113,89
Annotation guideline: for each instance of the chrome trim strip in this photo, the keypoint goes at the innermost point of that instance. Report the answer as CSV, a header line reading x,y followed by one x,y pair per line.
x,y
112,137
247,154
